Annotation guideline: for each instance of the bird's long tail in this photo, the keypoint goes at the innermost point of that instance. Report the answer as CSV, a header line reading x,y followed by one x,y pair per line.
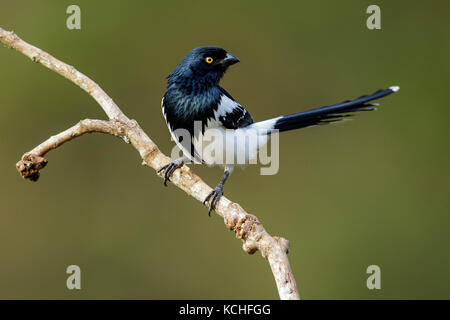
x,y
323,115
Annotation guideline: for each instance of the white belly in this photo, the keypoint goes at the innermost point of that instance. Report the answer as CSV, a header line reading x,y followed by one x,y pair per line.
x,y
227,147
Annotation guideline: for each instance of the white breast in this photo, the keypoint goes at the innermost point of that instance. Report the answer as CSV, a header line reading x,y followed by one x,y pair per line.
x,y
221,146
225,147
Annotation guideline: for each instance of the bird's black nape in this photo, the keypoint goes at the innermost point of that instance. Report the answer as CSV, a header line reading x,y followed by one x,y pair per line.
x,y
203,64
330,114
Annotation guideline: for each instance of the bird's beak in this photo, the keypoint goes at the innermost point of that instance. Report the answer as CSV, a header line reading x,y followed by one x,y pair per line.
x,y
229,60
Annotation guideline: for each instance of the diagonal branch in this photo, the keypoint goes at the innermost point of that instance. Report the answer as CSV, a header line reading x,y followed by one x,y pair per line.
x,y
246,226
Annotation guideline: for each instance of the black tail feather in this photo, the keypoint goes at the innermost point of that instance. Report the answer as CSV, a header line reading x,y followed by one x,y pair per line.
x,y
330,114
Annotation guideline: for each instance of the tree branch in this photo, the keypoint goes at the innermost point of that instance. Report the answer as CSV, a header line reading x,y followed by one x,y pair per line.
x,y
246,226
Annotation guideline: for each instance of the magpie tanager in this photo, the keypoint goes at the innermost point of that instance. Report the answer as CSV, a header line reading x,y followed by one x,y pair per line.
x,y
195,103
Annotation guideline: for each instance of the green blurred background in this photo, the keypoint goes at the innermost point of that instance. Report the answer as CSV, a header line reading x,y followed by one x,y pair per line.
x,y
371,191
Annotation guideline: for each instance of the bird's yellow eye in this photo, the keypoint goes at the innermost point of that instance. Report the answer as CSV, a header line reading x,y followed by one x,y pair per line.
x,y
209,60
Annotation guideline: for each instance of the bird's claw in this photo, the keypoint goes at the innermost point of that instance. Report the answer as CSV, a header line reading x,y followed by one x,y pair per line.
x,y
169,169
213,197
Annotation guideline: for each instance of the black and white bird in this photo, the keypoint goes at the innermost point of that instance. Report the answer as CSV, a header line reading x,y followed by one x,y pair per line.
x,y
194,106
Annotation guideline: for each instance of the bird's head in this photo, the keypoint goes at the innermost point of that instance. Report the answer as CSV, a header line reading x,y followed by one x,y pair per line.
x,y
206,64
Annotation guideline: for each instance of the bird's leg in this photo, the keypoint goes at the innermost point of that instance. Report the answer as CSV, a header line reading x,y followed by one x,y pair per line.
x,y
171,167
215,195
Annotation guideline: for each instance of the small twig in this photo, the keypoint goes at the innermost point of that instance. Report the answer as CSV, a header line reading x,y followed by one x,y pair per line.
x,y
246,226
33,161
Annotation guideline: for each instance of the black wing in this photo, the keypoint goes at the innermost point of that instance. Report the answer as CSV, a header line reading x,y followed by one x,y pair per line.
x,y
238,117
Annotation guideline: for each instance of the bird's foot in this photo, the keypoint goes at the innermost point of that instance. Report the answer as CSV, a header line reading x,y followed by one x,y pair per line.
x,y
170,168
213,198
